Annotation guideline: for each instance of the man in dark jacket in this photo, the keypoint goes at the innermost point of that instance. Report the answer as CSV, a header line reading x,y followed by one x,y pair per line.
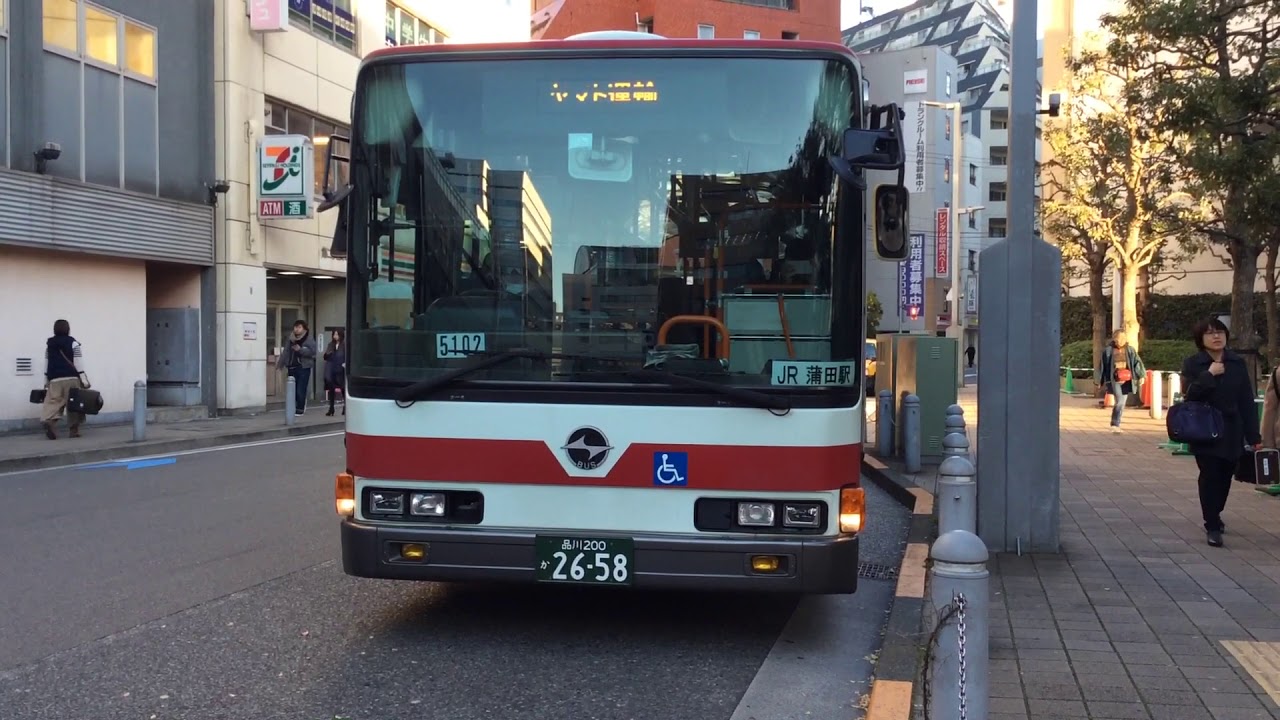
x,y
61,375
1219,377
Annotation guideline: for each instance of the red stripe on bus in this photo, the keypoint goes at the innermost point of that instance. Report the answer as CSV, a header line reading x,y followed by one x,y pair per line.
x,y
531,462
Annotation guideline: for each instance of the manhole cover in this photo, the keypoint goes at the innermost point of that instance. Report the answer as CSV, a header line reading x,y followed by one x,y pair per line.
x,y
876,571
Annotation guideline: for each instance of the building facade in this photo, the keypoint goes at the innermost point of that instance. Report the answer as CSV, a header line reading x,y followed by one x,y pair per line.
x,y
297,78
752,19
975,33
94,227
922,81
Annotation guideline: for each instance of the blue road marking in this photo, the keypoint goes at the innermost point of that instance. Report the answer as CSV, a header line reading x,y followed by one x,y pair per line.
x,y
671,469
132,464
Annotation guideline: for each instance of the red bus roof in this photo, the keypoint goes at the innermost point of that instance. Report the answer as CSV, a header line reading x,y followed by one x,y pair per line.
x,y
534,46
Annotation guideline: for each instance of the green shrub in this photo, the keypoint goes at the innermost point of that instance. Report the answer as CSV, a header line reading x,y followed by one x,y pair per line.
x,y
1156,354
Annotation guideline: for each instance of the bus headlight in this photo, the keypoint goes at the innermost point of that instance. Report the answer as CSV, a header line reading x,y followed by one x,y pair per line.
x,y
755,514
429,504
385,502
801,515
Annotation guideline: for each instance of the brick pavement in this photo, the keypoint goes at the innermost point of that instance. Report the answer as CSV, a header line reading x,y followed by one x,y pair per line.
x,y
1137,617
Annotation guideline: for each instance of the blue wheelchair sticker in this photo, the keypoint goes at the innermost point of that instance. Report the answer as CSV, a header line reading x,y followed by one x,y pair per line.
x,y
671,469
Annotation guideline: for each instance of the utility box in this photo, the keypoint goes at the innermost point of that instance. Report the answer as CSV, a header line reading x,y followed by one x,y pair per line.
x,y
924,366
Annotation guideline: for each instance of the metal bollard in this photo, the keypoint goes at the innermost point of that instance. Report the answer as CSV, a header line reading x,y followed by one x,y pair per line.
x,y
911,433
959,661
290,405
884,424
954,424
955,444
140,411
957,496
1175,387
955,409
1157,395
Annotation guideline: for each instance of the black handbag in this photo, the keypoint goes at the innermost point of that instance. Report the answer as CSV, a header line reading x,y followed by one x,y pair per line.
x,y
85,401
37,396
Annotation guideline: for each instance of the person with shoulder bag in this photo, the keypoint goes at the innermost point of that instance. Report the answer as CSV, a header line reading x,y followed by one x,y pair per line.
x,y
1122,374
1220,416
61,376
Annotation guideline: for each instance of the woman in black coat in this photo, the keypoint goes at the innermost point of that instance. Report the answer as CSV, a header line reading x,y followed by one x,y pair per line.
x,y
335,369
1219,377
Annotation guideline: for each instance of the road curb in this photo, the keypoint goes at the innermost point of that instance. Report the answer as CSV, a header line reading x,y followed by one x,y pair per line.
x,y
900,663
159,447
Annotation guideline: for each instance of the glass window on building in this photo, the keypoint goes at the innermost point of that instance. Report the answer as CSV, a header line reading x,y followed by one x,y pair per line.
x,y
139,50
61,29
101,36
405,28
331,20
281,119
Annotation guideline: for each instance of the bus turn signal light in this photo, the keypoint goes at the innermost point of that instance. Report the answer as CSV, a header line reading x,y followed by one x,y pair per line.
x,y
410,551
852,507
344,494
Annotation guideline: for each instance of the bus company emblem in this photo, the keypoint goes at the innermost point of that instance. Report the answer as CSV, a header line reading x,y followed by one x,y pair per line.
x,y
587,448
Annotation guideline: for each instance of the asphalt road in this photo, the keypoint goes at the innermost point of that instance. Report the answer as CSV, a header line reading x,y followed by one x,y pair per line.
x,y
209,588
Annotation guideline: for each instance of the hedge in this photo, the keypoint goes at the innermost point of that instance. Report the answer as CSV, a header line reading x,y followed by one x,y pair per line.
x,y
1156,354
1169,317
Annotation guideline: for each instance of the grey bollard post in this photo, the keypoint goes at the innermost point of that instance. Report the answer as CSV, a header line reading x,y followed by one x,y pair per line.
x,y
959,662
140,411
884,424
955,444
290,405
911,433
957,496
955,409
954,424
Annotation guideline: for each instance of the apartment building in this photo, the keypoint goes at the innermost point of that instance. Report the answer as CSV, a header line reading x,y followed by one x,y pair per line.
x,y
752,19
976,35
106,156
290,69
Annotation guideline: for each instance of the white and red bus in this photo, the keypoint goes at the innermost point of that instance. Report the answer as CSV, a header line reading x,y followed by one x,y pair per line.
x,y
606,310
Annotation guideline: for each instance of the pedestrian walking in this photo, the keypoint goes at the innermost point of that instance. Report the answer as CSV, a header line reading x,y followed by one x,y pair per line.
x,y
299,359
335,369
1121,374
1219,377
61,375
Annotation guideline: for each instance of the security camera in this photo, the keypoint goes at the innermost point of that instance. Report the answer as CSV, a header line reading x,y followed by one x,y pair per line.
x,y
50,151
221,187
1055,103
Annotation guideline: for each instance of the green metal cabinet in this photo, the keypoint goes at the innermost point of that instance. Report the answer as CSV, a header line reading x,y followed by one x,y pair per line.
x,y
926,366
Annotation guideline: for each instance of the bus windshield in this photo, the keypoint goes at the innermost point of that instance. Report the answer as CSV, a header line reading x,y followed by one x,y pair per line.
x,y
613,213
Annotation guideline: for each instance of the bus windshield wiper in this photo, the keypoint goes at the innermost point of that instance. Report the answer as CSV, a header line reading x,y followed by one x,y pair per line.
x,y
409,394
777,405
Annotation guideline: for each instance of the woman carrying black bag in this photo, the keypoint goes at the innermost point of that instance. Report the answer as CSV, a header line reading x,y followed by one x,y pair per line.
x,y
1219,377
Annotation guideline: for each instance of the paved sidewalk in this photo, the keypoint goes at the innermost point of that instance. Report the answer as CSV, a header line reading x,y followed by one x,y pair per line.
x,y
1137,617
101,443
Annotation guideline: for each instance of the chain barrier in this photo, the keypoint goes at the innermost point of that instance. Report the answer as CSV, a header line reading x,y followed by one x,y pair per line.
x,y
961,604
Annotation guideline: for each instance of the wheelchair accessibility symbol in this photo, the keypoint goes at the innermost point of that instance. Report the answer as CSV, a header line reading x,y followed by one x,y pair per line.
x,y
671,469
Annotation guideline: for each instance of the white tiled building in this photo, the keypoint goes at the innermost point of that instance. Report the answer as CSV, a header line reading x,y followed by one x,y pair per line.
x,y
300,81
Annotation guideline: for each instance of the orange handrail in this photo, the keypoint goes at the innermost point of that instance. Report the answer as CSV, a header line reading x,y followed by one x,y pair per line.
x,y
786,326
704,320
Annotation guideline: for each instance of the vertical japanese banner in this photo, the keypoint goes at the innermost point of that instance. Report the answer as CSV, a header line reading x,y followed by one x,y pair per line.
x,y
942,243
913,141
911,288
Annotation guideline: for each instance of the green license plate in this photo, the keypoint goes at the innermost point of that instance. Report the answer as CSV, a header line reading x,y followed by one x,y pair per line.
x,y
594,561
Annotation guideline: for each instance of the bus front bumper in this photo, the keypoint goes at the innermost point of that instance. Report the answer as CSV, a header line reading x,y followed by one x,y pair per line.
x,y
816,565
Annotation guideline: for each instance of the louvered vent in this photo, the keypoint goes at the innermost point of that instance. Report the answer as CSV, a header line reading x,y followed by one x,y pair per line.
x,y
23,366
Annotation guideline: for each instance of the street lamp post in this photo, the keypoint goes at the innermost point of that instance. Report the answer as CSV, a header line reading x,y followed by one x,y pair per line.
x,y
955,329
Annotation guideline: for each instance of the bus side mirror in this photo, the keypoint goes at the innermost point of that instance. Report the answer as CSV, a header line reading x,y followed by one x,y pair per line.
x,y
890,215
338,196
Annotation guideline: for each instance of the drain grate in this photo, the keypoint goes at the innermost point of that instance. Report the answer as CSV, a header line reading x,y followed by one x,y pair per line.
x,y
876,571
